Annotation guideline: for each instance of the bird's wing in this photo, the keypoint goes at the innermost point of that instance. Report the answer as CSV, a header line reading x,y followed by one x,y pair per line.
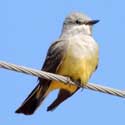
x,y
52,62
54,57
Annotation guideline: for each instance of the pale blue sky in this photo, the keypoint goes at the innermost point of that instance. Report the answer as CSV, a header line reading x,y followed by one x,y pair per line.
x,y
28,27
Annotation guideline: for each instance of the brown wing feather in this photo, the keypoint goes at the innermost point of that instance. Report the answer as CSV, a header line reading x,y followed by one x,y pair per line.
x,y
53,59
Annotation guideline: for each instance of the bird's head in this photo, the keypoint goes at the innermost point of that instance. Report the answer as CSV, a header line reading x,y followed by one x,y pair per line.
x,y
79,21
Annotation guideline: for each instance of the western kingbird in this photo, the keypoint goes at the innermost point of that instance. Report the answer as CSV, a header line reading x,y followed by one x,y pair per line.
x,y
74,54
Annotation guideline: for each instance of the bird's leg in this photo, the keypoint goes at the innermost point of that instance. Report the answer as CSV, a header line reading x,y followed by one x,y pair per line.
x,y
80,84
69,79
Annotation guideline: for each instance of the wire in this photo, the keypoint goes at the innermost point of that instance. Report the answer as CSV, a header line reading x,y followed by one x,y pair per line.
x,y
65,80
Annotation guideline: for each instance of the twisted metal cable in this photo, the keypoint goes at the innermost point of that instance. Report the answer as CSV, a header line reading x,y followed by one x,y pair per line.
x,y
65,80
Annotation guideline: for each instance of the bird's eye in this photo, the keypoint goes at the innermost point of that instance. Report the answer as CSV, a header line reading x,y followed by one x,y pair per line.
x,y
78,22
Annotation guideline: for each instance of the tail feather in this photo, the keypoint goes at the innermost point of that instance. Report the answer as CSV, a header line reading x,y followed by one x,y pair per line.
x,y
33,101
62,96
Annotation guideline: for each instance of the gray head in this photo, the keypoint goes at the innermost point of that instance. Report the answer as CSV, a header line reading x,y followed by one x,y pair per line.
x,y
80,22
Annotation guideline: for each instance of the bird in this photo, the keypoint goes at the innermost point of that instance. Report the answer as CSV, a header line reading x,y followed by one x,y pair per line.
x,y
74,54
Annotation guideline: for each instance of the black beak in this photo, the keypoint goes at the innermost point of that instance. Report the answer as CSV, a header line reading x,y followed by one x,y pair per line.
x,y
92,22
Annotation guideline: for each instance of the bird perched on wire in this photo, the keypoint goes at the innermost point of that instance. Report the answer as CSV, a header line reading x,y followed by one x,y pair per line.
x,y
74,54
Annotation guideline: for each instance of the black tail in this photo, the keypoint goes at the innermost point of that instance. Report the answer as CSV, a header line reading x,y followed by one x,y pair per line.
x,y
62,96
33,101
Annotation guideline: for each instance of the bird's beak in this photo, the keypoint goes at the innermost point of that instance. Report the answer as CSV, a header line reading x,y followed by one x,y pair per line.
x,y
92,22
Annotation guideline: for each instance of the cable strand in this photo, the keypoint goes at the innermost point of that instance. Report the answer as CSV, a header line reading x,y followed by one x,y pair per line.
x,y
65,80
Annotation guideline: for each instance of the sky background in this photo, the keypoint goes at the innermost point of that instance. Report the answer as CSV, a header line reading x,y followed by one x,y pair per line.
x,y
28,27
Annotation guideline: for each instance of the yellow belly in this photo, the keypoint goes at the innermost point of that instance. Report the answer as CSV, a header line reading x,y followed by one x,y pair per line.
x,y
79,63
80,69
77,69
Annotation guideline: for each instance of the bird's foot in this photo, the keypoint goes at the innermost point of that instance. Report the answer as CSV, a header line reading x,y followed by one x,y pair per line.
x,y
79,83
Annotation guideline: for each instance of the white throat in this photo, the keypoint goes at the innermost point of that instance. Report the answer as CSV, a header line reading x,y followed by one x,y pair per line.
x,y
70,30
